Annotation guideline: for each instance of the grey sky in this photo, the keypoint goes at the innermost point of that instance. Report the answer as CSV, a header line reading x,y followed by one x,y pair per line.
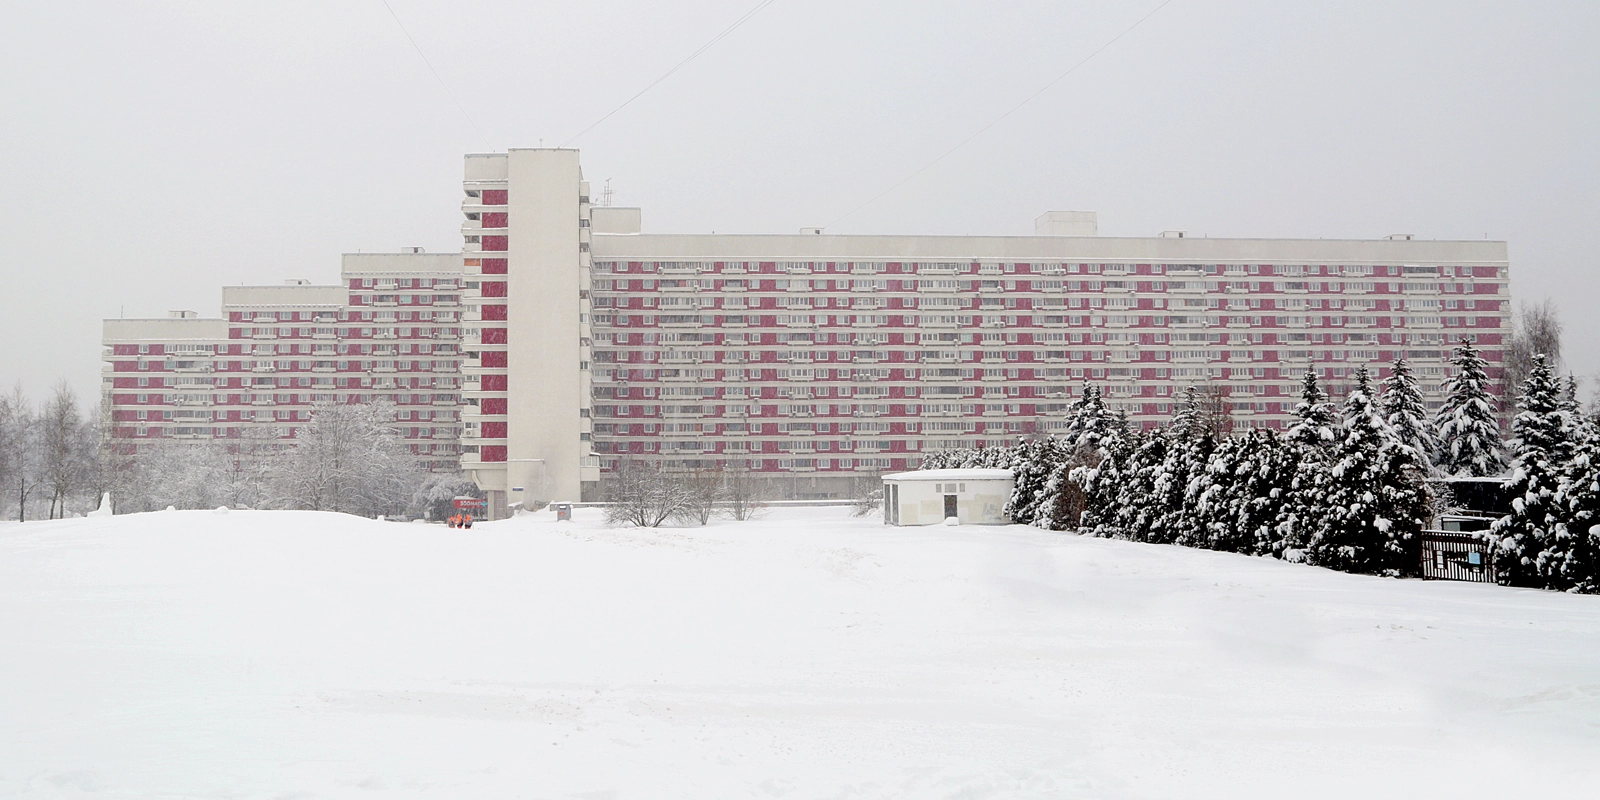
x,y
153,152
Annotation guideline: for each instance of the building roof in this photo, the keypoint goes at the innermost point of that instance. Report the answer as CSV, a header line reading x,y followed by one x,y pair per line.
x,y
952,475
768,247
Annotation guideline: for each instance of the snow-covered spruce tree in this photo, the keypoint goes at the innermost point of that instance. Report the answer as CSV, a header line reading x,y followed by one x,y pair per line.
x,y
1189,446
1528,553
1102,482
1572,416
1375,502
1061,503
1401,406
1303,499
1314,415
1138,504
1578,531
1260,493
1035,461
1469,437
1091,422
1216,494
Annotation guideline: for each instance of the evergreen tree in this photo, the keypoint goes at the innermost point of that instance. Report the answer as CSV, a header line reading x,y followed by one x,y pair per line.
x,y
1091,421
1402,408
1529,554
1102,484
1578,534
1344,536
1469,437
1572,417
1314,426
1259,501
1034,462
1139,503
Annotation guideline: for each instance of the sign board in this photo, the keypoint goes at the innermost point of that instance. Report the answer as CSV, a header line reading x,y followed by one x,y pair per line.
x,y
471,502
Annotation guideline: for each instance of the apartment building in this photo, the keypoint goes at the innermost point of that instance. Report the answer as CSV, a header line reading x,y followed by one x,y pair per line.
x,y
815,358
390,330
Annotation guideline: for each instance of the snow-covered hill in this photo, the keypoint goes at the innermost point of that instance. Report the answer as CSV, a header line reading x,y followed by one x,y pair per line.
x,y
806,655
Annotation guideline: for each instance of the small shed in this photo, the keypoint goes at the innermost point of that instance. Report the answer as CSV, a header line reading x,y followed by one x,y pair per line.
x,y
929,497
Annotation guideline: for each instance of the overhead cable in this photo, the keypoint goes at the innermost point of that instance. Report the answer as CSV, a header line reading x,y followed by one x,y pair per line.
x,y
707,46
999,119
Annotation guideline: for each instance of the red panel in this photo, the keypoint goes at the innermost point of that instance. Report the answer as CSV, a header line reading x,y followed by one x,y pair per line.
x,y
494,266
494,336
494,197
494,358
494,288
492,405
494,312
493,452
494,383
494,430
495,243
494,219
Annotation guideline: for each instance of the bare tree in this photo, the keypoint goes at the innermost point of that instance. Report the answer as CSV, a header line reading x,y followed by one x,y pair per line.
x,y
743,492
641,494
1535,330
64,448
867,490
350,458
1215,410
19,449
702,491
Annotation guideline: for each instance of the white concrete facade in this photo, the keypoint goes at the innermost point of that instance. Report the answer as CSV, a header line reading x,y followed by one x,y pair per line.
x,y
930,497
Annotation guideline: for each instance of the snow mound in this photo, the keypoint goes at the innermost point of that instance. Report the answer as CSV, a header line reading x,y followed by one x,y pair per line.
x,y
805,654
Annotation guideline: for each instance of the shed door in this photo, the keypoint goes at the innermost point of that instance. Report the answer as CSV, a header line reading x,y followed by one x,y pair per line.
x,y
891,504
949,505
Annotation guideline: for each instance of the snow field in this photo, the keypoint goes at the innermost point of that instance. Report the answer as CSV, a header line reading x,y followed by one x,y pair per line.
x,y
807,654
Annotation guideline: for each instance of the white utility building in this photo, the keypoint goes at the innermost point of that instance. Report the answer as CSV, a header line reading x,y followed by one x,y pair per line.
x,y
929,497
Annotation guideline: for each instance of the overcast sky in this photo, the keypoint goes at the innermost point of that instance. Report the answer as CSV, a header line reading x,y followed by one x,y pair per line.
x,y
152,152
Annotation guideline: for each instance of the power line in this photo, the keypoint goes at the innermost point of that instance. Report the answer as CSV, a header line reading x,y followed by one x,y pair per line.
x,y
707,46
999,119
435,72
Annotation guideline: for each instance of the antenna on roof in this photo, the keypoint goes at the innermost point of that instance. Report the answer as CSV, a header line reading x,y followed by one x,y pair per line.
x,y
605,195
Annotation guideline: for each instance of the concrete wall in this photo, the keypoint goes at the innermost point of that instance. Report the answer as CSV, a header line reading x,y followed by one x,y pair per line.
x,y
545,387
982,503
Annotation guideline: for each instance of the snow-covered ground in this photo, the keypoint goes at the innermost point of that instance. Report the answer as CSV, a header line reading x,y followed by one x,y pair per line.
x,y
805,655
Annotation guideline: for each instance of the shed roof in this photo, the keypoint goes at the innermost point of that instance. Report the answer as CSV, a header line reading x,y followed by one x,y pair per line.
x,y
952,475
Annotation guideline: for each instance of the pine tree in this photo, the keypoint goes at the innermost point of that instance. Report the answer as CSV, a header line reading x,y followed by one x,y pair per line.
x,y
1302,501
1344,536
1528,552
1091,421
1102,483
1035,461
1260,494
1469,437
1573,419
1578,532
1139,503
1316,419
1402,408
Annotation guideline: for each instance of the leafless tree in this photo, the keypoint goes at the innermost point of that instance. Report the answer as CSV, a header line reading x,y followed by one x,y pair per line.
x,y
350,458
1216,412
1535,330
702,491
867,491
19,449
743,492
642,494
65,448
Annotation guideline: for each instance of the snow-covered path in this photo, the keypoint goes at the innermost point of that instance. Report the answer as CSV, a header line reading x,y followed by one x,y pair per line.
x,y
806,655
